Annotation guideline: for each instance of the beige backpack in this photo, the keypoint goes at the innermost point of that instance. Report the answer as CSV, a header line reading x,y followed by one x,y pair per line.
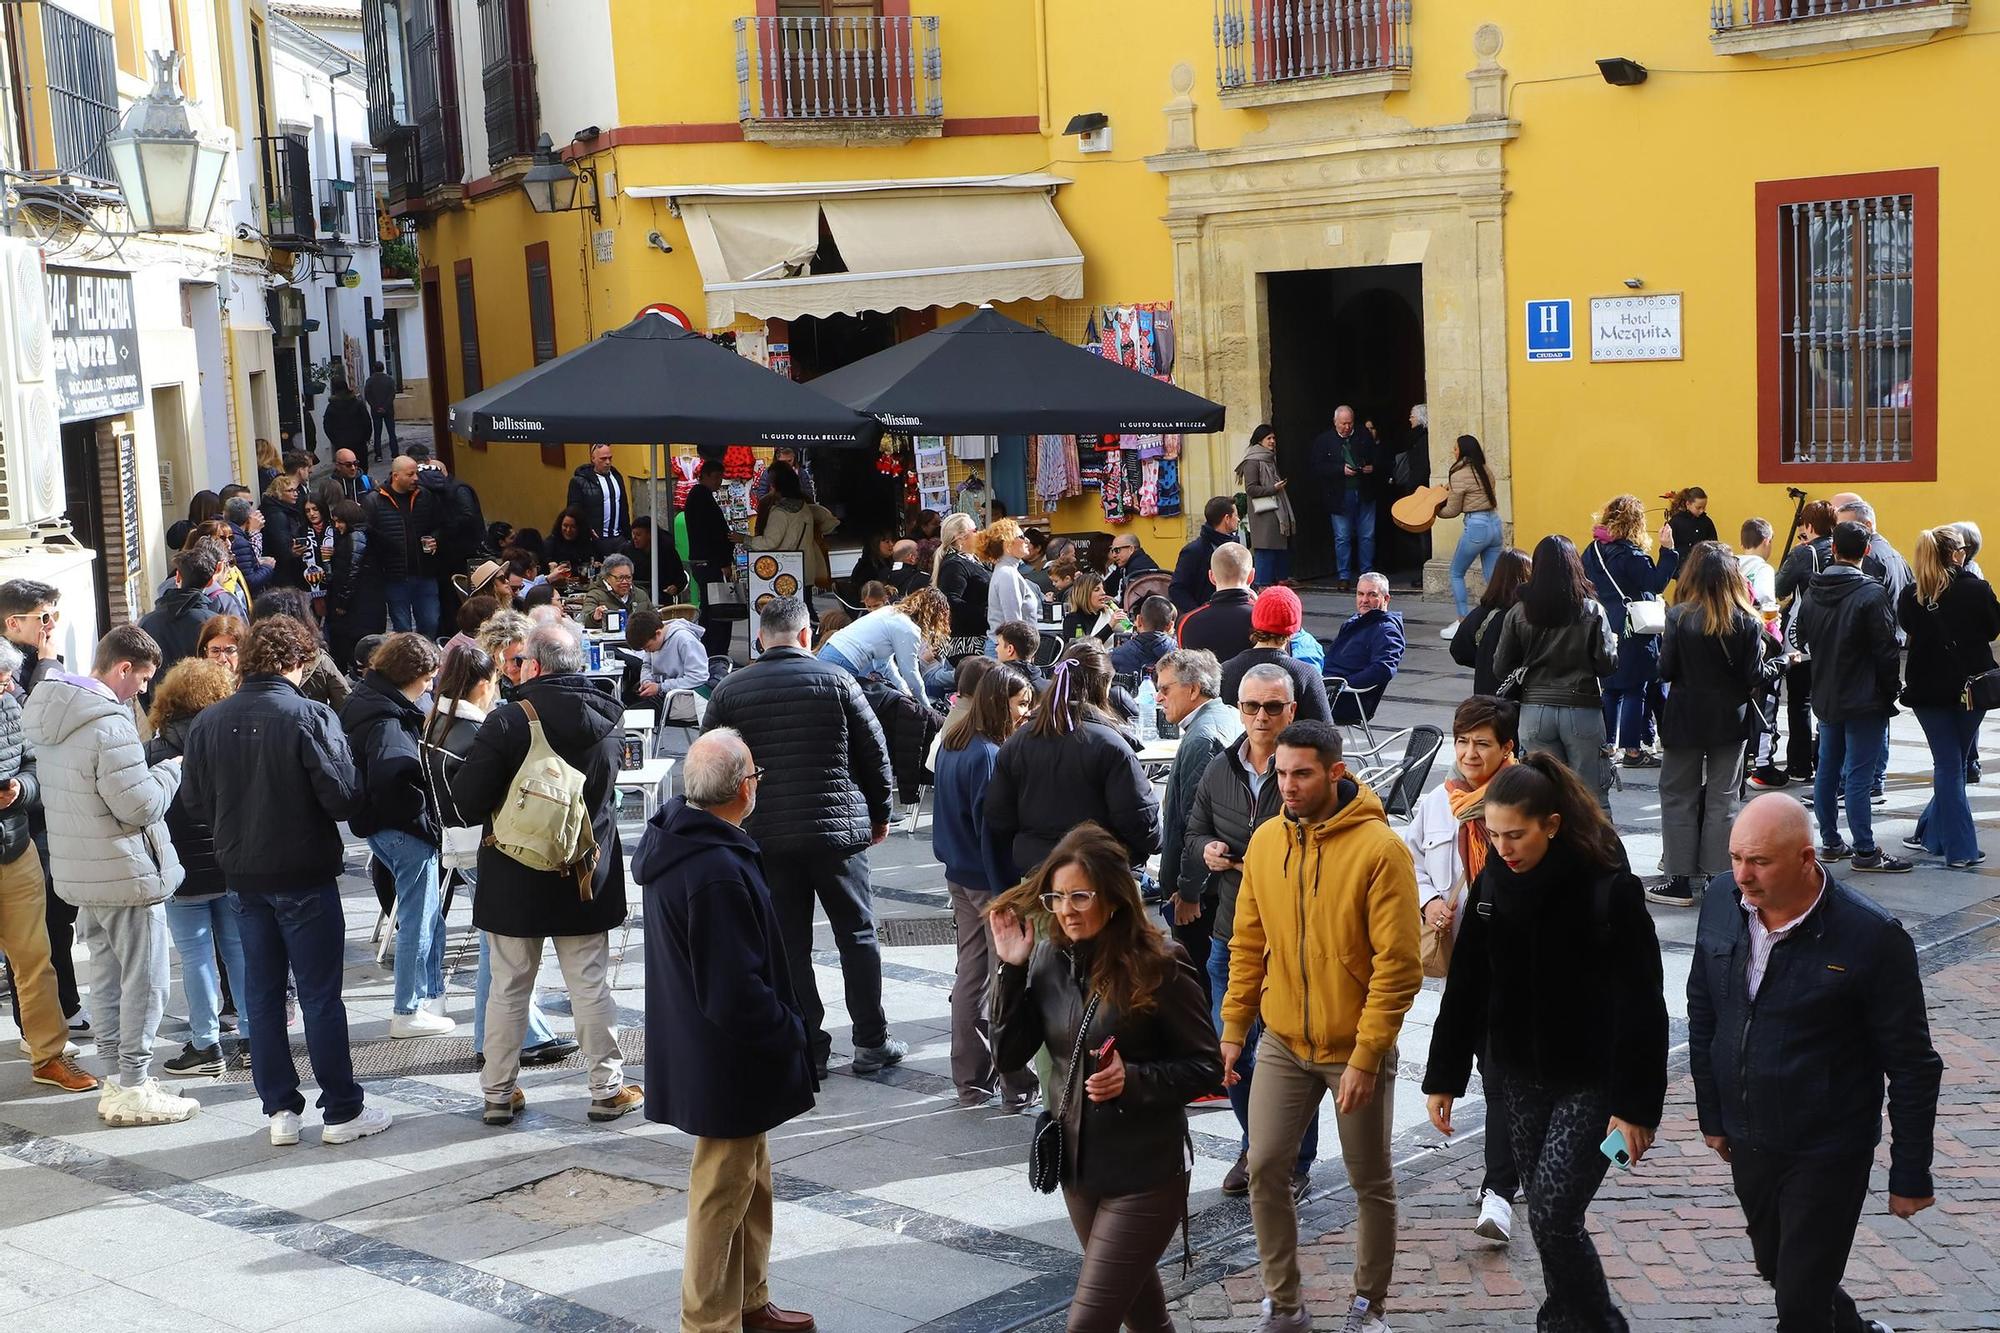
x,y
544,823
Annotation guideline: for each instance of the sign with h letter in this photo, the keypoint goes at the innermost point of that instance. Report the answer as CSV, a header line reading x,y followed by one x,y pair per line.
x,y
1549,331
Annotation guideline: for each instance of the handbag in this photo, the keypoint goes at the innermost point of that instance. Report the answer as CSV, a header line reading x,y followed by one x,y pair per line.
x,y
1644,617
1264,504
1045,1149
1982,692
1434,946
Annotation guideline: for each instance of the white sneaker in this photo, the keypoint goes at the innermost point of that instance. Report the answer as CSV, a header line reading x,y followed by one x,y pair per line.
x,y
1496,1218
1284,1321
1360,1320
147,1104
420,1024
284,1129
69,1048
372,1120
434,1005
1448,631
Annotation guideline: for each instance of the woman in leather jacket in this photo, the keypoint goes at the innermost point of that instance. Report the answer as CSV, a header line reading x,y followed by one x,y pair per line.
x,y
1146,1050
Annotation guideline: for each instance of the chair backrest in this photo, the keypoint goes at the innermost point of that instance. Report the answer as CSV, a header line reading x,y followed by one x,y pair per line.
x,y
1406,782
1152,583
1048,650
1128,681
1348,702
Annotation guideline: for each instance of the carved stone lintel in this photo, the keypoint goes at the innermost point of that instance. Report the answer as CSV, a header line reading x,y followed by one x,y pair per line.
x,y
1488,80
1180,110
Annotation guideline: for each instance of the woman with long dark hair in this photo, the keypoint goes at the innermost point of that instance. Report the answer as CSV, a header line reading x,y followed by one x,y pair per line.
x,y
1470,492
1558,638
1121,1010
1556,981
1479,633
1069,763
1712,660
964,766
1619,568
570,545
1951,618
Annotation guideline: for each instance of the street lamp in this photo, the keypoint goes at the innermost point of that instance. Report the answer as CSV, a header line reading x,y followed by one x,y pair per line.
x,y
554,186
335,260
169,172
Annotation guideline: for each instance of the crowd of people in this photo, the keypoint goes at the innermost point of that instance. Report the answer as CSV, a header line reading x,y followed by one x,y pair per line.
x,y
1125,947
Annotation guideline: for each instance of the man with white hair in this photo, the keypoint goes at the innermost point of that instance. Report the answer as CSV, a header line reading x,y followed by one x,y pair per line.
x,y
727,1057
1368,651
615,592
823,803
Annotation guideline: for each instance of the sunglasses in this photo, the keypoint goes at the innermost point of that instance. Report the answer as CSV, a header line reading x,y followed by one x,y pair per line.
x,y
1080,900
1269,707
46,617
518,659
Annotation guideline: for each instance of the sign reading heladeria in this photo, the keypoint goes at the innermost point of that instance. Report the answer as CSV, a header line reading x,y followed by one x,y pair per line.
x,y
95,336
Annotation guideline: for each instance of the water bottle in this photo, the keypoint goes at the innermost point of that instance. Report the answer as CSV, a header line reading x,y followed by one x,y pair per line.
x,y
1149,712
596,655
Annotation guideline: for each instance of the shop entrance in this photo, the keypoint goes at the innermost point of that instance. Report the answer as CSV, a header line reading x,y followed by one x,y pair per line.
x,y
83,486
848,483
1351,336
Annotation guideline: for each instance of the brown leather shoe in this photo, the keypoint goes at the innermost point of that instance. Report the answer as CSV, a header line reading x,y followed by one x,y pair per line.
x,y
771,1319
64,1072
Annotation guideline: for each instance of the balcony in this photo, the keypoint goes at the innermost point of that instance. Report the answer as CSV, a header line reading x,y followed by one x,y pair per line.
x,y
507,78
1778,29
1271,52
333,196
855,80
289,212
389,117
82,77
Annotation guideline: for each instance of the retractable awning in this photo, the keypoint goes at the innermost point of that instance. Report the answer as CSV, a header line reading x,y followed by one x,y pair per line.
x,y
903,249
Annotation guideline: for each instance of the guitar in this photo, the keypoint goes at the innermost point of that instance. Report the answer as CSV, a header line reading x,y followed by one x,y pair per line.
x,y
1416,511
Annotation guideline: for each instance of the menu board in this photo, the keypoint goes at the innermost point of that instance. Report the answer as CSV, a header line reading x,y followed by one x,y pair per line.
x,y
773,574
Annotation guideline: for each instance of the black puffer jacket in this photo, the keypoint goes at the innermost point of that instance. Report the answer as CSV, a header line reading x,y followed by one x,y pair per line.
x,y
283,525
397,525
1224,811
1137,1140
461,523
1848,626
963,581
175,623
1948,642
908,728
17,762
1043,787
385,729
825,762
269,771
193,841
584,726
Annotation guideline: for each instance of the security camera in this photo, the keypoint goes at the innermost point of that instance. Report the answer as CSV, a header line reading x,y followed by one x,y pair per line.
x,y
659,242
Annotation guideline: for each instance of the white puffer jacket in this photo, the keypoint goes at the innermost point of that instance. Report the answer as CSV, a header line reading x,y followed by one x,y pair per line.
x,y
106,808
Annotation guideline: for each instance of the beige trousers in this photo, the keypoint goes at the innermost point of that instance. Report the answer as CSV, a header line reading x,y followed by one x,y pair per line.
x,y
728,1256
24,938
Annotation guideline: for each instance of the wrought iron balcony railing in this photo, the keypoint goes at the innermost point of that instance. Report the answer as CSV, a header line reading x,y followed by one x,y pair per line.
x,y
1733,15
82,78
1276,41
290,212
880,69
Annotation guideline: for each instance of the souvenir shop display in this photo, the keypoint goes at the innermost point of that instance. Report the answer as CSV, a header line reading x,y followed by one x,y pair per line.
x,y
932,479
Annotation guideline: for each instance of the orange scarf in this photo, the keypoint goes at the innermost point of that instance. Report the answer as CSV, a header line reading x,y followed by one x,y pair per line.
x,y
1468,807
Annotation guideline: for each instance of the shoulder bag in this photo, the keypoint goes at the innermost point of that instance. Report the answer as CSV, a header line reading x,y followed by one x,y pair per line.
x,y
1045,1149
1643,617
1434,946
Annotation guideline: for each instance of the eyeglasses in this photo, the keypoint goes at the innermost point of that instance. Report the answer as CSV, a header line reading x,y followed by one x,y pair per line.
x,y
1268,707
223,650
757,774
1080,900
518,659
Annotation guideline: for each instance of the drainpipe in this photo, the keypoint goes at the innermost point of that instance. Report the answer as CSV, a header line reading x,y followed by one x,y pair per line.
x,y
1042,66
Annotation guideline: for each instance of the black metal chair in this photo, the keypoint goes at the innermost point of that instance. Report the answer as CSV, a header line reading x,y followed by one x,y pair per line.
x,y
1399,782
1352,707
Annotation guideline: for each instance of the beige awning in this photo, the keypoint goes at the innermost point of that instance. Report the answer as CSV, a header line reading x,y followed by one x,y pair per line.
x,y
903,251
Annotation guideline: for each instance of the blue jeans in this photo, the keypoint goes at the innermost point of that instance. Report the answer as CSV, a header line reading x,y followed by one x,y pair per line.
x,y
1273,565
940,681
304,933
1246,1063
1946,825
199,929
413,604
1481,541
384,423
419,916
1881,761
1849,753
1354,519
539,1032
1625,715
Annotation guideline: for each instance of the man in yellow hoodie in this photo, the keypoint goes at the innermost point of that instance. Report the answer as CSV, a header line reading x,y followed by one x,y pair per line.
x,y
1324,956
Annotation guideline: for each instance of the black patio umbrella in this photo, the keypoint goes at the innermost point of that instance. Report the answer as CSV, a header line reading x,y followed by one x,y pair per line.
x,y
990,375
653,382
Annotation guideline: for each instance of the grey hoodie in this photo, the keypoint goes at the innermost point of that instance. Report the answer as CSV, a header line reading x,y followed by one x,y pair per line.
x,y
106,807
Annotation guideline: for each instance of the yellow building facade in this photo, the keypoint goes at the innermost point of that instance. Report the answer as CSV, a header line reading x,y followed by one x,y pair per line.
x,y
1342,201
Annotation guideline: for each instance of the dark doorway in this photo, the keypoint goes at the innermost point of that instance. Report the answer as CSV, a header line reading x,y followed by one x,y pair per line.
x,y
1351,336
847,480
291,414
83,487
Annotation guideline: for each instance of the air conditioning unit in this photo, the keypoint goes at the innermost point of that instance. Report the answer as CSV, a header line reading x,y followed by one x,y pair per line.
x,y
31,468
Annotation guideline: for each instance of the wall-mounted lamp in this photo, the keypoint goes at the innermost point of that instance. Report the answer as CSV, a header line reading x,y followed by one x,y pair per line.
x,y
1622,73
169,170
334,259
1635,283
1092,130
555,186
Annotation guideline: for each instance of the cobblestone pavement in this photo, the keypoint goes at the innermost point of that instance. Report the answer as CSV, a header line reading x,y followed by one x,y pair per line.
x,y
1670,1233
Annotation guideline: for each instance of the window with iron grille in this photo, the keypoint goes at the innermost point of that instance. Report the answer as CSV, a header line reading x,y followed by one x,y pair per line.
x,y
468,328
82,72
433,97
367,222
1848,303
507,76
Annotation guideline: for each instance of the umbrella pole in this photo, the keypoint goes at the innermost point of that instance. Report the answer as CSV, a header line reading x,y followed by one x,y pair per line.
x,y
653,546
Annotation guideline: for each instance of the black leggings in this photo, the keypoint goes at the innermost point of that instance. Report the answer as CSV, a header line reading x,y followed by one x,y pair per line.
x,y
1123,1237
1556,1137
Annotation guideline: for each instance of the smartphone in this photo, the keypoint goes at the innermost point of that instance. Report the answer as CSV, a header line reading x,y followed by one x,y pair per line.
x,y
1104,1052
1614,1148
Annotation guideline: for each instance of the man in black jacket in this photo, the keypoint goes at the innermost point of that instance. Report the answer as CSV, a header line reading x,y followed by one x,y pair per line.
x,y
461,527
1190,586
1128,561
1351,470
824,801
402,550
710,551
727,1056
520,907
346,418
269,771
1222,626
598,491
1848,626
1793,1101
1239,791
175,623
